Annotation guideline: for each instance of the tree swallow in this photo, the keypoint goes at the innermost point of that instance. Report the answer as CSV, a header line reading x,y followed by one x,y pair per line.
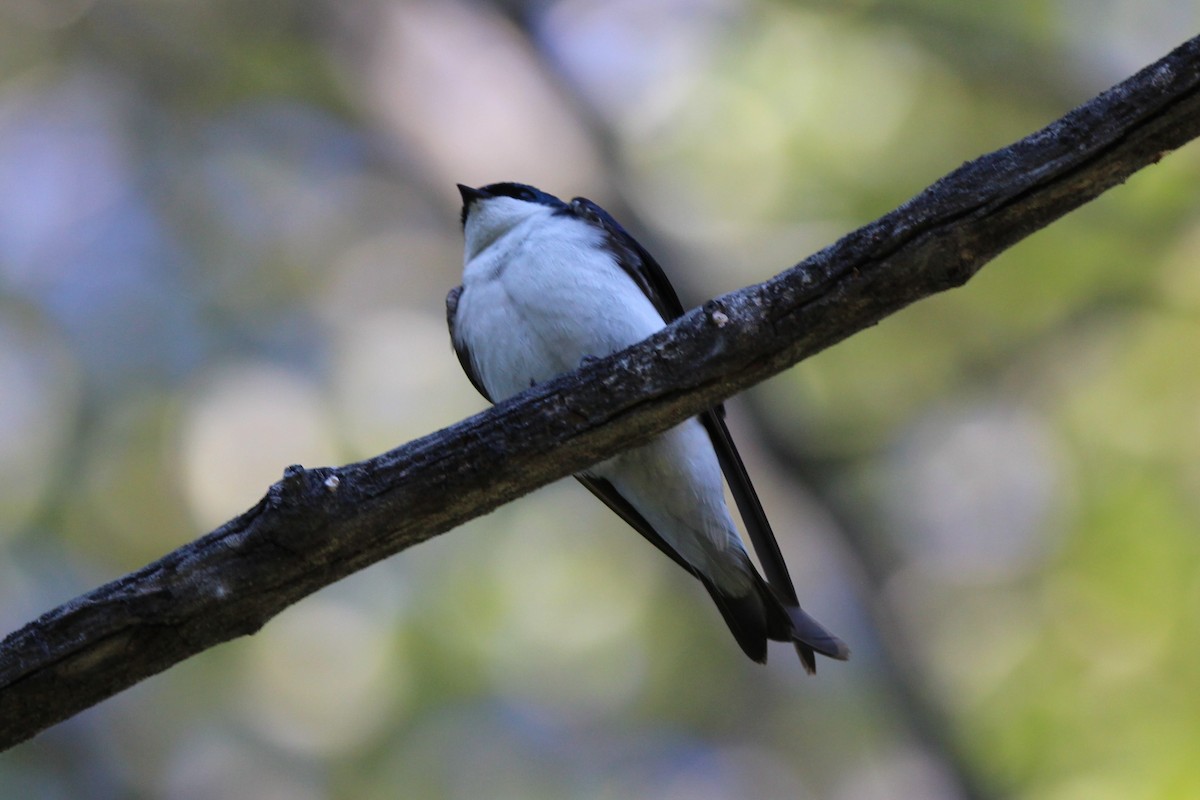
x,y
548,285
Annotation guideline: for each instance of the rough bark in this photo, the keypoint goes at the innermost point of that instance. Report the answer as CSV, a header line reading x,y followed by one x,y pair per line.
x,y
316,526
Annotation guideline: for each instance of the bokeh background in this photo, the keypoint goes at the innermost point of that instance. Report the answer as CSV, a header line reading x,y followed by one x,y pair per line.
x,y
226,231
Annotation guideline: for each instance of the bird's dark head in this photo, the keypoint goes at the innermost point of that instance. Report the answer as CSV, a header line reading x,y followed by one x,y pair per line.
x,y
516,191
492,211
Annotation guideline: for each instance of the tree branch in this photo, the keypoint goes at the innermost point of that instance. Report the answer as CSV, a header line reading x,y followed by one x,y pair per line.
x,y
317,526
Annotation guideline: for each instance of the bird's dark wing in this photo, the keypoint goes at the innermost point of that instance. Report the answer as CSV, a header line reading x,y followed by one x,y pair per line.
x,y
460,349
806,633
633,258
639,265
647,274
750,508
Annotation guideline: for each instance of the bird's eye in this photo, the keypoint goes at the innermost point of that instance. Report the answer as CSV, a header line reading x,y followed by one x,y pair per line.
x,y
525,194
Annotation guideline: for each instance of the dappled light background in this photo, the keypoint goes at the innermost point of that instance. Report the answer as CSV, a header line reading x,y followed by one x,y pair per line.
x,y
226,233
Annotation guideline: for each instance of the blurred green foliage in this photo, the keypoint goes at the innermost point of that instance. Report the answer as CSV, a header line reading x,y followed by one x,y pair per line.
x,y
226,230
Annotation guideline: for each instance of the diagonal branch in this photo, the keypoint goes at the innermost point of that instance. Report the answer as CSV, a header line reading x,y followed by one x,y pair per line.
x,y
317,526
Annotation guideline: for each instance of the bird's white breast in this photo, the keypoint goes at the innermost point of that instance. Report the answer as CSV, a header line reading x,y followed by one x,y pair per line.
x,y
543,296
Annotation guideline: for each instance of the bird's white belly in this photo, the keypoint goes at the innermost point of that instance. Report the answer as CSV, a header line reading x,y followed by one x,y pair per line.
x,y
535,318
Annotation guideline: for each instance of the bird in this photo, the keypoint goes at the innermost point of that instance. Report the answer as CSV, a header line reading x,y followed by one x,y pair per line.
x,y
549,285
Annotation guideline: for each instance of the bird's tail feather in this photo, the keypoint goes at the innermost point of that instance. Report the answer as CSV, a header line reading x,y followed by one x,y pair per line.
x,y
809,636
760,615
746,617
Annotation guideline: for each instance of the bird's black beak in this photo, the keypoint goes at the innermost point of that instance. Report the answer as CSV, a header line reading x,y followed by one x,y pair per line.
x,y
470,195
